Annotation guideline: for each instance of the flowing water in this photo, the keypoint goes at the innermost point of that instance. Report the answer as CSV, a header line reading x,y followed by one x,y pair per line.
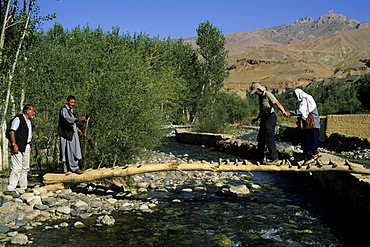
x,y
286,211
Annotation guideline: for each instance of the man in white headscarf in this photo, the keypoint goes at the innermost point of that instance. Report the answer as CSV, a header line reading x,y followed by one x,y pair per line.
x,y
310,141
266,134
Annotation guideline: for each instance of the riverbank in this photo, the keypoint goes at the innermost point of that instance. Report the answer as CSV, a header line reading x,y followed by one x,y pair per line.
x,y
49,208
101,199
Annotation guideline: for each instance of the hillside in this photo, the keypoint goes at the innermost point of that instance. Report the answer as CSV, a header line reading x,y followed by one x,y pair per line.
x,y
297,54
303,29
336,56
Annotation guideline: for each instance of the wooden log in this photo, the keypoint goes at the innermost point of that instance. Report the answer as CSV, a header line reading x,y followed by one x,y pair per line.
x,y
244,166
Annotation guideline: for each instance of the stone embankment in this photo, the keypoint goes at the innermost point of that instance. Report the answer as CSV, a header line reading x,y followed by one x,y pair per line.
x,y
352,147
348,125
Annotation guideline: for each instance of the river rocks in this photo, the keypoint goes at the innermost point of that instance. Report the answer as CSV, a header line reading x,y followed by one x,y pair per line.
x,y
63,225
31,209
80,205
222,239
88,200
187,190
255,186
144,207
3,200
20,239
78,224
359,154
240,190
64,210
49,201
106,220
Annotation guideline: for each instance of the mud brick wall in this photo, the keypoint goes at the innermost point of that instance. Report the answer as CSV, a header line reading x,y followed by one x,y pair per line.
x,y
351,125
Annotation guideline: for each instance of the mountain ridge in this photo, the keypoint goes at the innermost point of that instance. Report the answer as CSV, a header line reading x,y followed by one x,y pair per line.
x,y
297,54
303,29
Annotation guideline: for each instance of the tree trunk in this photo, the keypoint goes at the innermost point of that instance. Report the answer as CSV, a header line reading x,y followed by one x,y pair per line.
x,y
324,165
4,156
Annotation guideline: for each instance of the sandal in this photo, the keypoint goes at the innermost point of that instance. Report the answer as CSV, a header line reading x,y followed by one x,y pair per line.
x,y
316,156
309,162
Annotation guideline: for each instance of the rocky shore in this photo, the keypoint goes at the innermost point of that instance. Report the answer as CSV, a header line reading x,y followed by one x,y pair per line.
x,y
99,199
54,203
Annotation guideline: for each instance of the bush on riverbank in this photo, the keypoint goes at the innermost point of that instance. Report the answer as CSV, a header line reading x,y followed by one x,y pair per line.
x,y
335,97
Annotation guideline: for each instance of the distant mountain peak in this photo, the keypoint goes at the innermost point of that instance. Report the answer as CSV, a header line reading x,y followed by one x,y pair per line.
x,y
331,17
304,19
306,28
330,13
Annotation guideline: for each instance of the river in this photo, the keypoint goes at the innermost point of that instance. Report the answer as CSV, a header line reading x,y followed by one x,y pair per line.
x,y
285,211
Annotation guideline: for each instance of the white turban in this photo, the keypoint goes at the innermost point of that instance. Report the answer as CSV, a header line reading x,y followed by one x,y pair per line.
x,y
307,102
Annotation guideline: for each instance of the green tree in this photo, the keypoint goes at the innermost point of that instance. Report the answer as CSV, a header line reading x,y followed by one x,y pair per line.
x,y
212,63
183,57
364,91
236,108
334,97
18,20
122,82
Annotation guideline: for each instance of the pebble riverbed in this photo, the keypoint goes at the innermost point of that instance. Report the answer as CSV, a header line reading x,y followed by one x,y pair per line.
x,y
102,198
43,206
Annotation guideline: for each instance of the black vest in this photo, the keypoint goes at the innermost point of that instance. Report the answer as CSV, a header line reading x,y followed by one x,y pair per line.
x,y
21,134
65,129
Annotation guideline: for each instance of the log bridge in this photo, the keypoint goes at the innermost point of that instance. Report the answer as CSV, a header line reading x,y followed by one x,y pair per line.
x,y
325,163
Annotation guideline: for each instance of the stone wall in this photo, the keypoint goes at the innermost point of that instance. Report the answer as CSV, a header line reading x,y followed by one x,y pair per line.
x,y
207,139
351,125
338,143
337,132
352,189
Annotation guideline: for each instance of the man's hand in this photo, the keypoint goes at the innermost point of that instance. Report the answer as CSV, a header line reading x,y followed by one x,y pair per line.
x,y
80,119
254,120
15,148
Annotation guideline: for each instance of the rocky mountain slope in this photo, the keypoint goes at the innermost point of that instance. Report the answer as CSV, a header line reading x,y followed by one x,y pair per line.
x,y
297,54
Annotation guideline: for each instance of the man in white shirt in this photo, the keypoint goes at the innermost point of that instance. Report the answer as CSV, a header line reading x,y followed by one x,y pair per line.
x,y
20,136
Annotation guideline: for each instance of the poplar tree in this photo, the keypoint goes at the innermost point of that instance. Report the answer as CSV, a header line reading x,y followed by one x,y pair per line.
x,y
364,91
212,64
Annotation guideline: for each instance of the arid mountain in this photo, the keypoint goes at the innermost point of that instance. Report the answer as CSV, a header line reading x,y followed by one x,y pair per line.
x,y
298,64
298,54
303,29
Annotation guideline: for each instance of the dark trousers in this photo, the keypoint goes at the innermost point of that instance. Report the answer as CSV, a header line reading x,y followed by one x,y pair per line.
x,y
310,143
266,137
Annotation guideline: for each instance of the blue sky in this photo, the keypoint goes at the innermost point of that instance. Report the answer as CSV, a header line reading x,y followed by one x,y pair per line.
x,y
180,18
